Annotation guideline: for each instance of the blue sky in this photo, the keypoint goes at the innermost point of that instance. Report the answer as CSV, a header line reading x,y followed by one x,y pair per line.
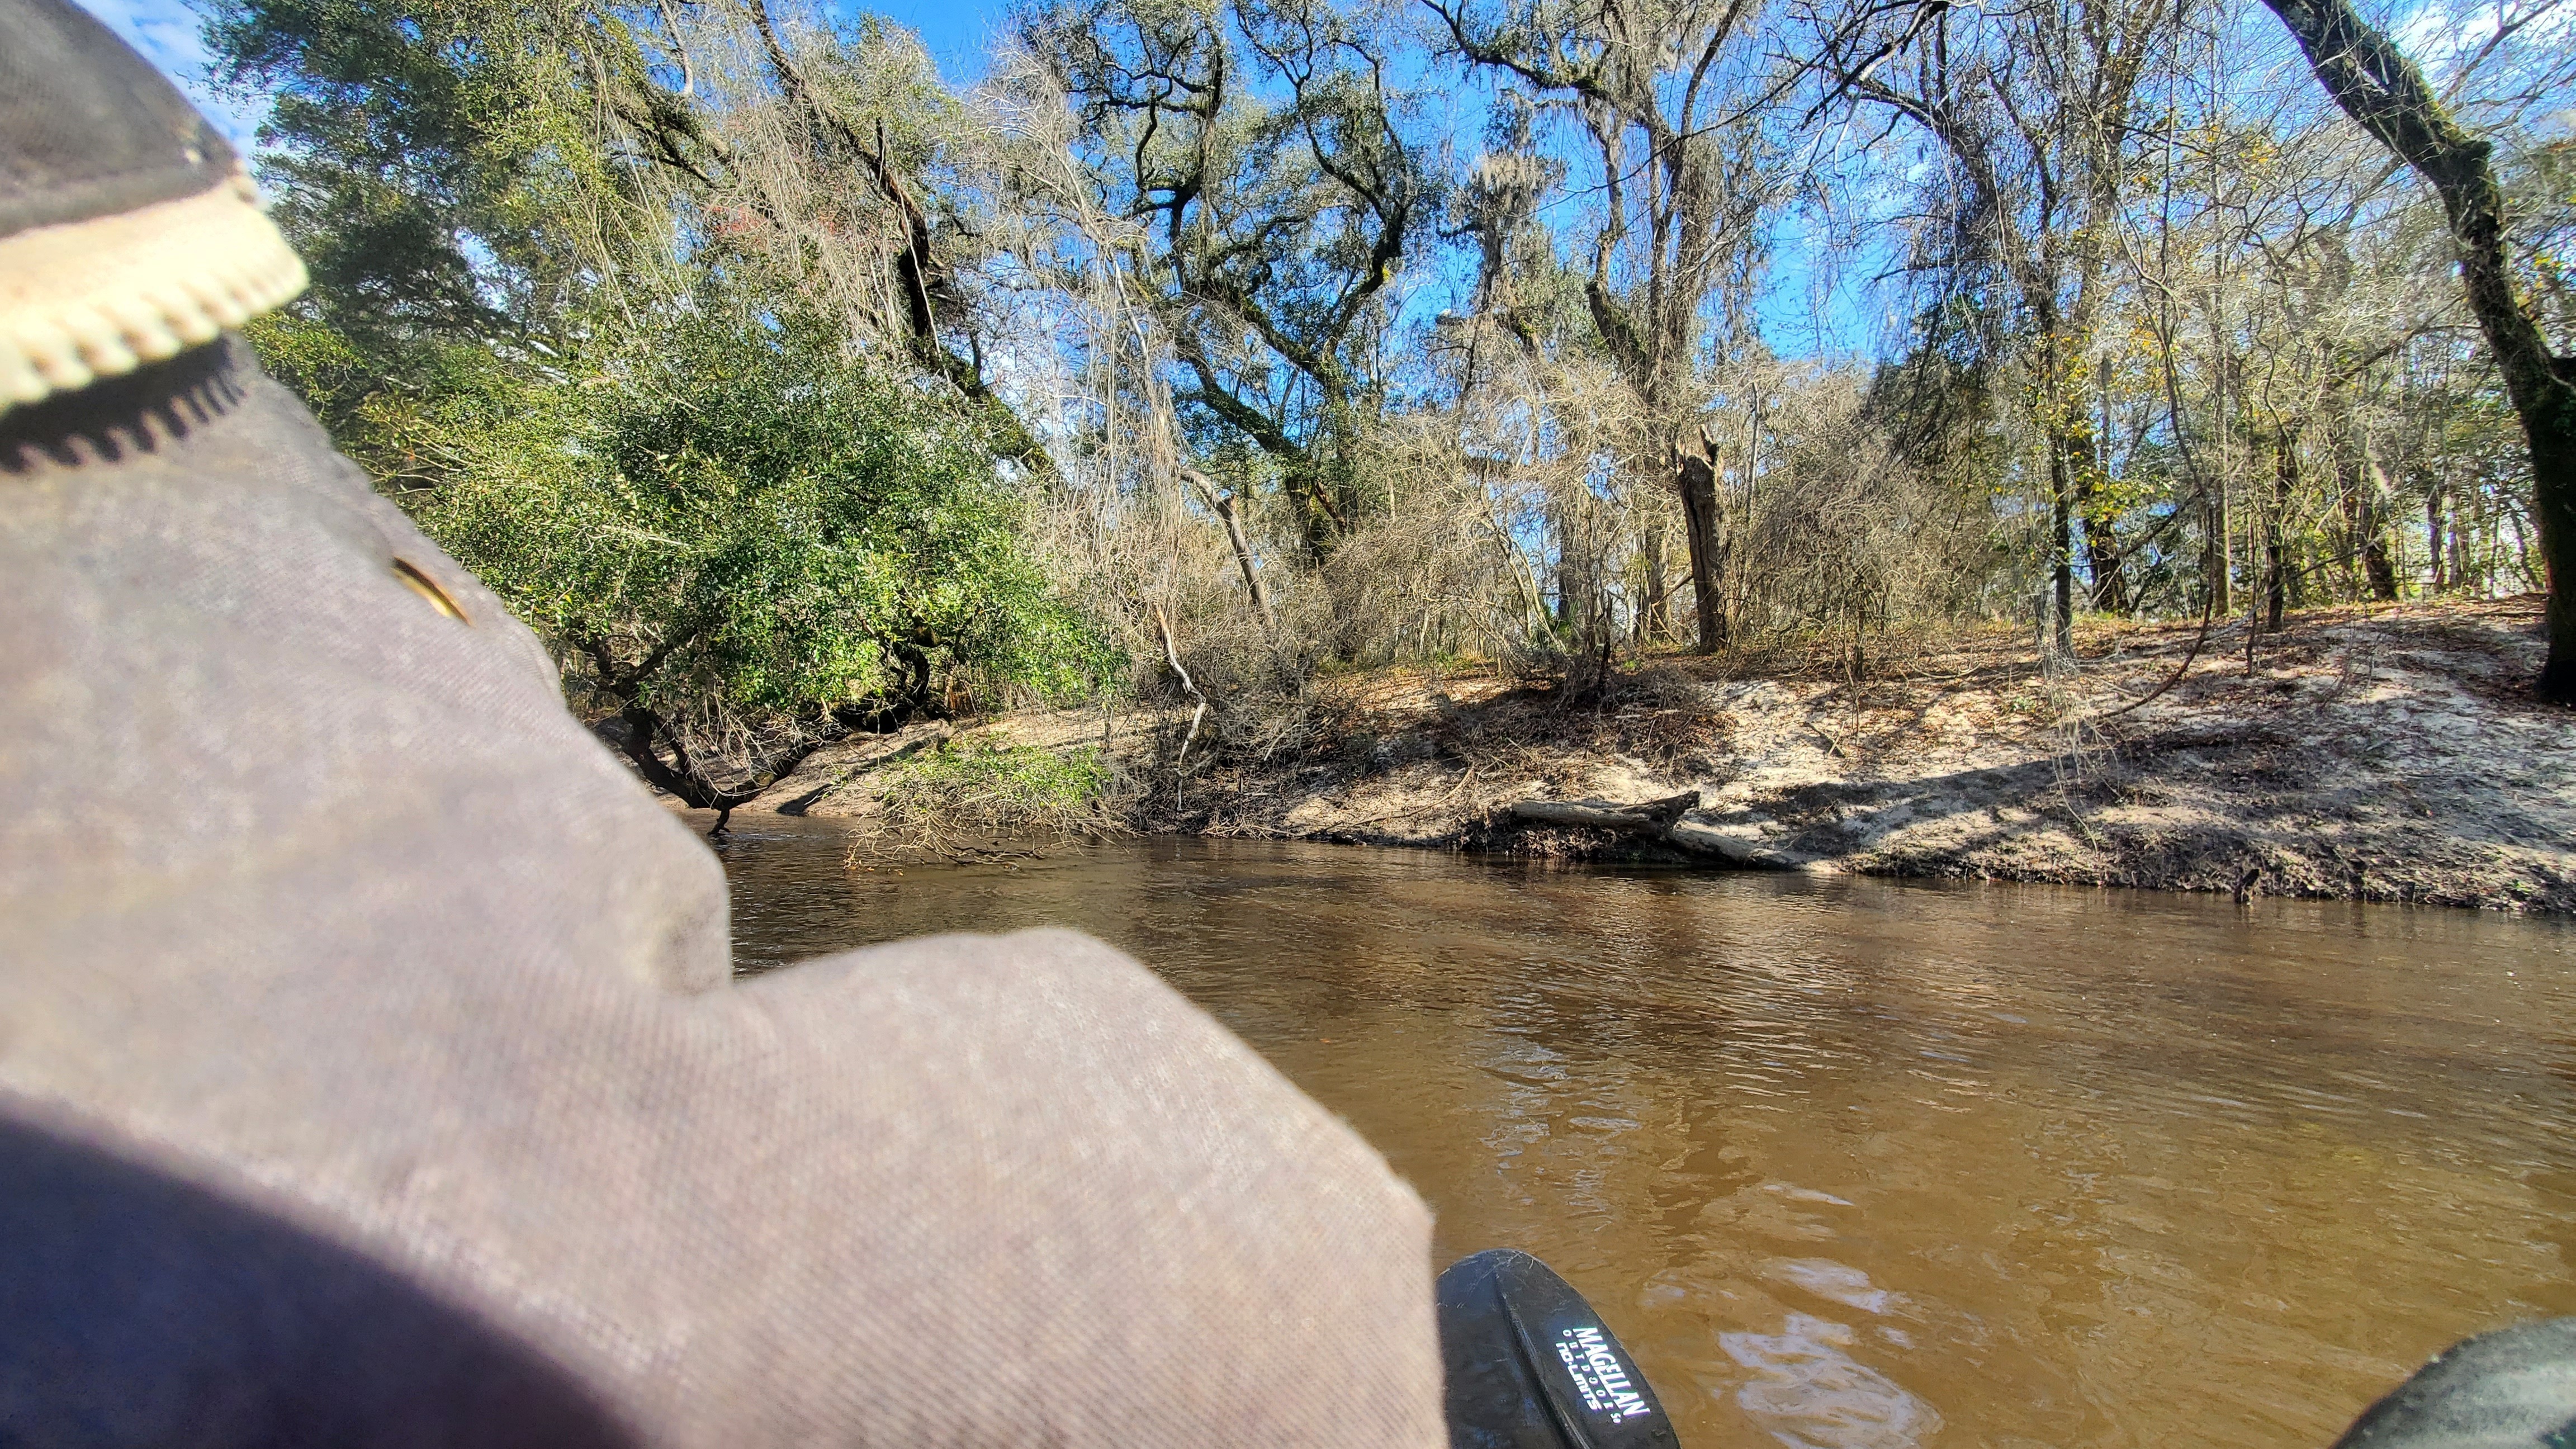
x,y
166,32
1801,312
957,32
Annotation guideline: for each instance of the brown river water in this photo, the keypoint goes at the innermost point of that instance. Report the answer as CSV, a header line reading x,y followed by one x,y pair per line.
x,y
1868,1163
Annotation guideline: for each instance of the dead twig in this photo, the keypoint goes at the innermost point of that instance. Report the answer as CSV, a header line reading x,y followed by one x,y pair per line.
x,y
2208,616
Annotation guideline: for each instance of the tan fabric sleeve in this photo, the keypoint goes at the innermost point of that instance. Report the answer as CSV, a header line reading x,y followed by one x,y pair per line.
x,y
370,1071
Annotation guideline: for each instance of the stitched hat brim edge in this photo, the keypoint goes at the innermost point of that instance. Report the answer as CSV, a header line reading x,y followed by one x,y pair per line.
x,y
99,298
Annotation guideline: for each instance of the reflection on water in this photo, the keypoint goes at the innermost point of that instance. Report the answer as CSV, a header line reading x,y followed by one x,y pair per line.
x,y
1808,1391
1860,1164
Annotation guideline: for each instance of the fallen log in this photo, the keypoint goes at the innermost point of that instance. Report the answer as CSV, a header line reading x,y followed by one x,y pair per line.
x,y
1741,844
1651,817
1736,843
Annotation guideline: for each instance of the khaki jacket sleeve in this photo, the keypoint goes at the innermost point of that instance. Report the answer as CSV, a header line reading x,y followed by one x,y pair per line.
x,y
371,1071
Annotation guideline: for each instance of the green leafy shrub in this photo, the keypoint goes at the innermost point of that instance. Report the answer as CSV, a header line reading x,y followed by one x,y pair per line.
x,y
978,798
743,521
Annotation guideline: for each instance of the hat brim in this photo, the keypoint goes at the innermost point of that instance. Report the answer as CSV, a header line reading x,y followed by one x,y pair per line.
x,y
99,298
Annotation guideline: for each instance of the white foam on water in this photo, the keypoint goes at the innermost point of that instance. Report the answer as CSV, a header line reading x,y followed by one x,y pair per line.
x,y
1833,1281
1808,1392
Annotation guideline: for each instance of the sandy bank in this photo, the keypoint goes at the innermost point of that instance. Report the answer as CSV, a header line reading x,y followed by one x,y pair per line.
x,y
2382,754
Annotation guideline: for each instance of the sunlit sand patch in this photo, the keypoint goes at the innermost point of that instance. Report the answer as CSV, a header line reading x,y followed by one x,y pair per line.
x,y
1807,1392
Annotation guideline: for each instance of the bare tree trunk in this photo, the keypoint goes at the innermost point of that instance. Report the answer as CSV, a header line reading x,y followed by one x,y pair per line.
x,y
1223,506
2101,525
1655,616
2213,546
2276,563
1696,478
2381,89
2102,561
2464,539
1189,686
2221,564
1569,567
2365,511
2380,567
2061,544
2433,546
1226,513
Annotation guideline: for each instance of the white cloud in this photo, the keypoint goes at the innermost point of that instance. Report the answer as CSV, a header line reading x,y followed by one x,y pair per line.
x,y
166,32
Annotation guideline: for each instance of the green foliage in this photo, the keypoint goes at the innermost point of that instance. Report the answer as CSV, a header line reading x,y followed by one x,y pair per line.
x,y
382,411
458,177
998,787
730,517
448,168
787,530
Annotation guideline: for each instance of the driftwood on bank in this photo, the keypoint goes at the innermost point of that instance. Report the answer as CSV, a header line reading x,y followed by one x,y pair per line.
x,y
1652,817
1667,822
